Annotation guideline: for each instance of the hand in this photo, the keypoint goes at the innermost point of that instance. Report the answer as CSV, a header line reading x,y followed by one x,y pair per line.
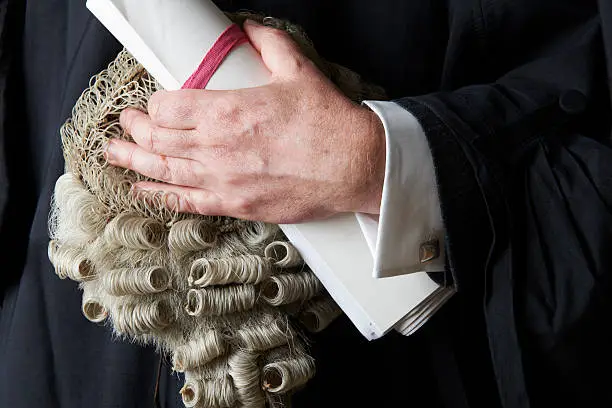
x,y
291,151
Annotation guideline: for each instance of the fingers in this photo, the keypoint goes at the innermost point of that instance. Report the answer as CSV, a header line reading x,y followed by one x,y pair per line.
x,y
156,139
279,52
185,199
181,109
168,169
192,110
202,201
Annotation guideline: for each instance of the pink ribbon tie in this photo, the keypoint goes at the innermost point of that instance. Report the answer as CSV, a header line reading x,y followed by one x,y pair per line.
x,y
232,37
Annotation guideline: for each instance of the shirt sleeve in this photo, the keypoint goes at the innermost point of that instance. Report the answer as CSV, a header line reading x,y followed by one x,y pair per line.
x,y
408,234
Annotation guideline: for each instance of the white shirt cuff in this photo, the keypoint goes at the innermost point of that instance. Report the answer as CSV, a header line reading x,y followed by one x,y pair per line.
x,y
408,236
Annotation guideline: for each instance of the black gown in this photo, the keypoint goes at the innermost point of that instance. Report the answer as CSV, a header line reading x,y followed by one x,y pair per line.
x,y
515,103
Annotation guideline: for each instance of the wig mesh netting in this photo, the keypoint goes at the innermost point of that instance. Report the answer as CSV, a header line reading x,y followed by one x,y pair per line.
x,y
225,298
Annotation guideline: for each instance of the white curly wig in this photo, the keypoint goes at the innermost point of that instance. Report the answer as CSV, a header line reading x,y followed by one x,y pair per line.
x,y
225,298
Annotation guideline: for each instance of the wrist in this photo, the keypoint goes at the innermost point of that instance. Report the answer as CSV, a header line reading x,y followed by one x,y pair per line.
x,y
368,162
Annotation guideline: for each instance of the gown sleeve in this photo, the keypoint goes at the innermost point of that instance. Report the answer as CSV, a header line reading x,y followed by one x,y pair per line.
x,y
524,171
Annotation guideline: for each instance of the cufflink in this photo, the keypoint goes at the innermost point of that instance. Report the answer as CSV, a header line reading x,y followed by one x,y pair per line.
x,y
429,251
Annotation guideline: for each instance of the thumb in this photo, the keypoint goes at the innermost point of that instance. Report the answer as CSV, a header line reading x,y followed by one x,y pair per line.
x,y
279,52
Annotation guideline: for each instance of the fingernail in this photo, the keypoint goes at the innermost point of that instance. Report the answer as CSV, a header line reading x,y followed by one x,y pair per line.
x,y
124,118
109,150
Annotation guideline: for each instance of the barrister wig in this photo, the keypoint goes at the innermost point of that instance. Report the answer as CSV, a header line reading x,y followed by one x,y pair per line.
x,y
225,298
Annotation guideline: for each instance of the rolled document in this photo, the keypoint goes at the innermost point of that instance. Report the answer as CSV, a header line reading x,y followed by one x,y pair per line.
x,y
170,39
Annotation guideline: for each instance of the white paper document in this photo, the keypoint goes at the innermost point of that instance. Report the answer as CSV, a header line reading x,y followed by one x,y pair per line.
x,y
170,38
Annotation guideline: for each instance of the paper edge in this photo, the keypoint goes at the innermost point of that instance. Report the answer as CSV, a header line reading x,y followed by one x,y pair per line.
x,y
340,294
114,21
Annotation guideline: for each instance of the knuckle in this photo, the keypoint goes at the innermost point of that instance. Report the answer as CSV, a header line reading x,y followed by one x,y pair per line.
x,y
193,169
295,63
183,108
187,141
152,140
154,105
164,106
165,171
243,206
233,179
276,34
227,109
191,205
260,165
130,158
225,148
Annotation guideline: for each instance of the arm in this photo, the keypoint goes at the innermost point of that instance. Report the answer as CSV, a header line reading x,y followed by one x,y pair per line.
x,y
478,133
522,166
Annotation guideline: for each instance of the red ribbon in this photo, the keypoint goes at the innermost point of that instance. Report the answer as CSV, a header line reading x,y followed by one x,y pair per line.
x,y
232,37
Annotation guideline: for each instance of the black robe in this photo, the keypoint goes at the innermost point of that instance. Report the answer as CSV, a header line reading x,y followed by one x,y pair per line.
x,y
514,99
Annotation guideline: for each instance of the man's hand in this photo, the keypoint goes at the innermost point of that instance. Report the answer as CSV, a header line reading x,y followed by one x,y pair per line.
x,y
294,150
